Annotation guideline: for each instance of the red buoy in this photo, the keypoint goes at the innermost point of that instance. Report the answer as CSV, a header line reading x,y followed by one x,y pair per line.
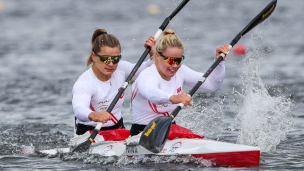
x,y
239,49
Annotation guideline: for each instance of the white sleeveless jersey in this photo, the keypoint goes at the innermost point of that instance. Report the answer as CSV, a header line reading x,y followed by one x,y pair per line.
x,y
91,94
150,85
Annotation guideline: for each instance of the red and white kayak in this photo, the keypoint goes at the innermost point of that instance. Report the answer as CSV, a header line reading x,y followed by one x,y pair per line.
x,y
219,153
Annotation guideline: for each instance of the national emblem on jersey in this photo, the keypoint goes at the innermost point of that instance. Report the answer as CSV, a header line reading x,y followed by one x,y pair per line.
x,y
179,90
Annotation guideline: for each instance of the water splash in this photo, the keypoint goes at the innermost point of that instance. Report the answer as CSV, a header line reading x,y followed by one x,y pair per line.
x,y
131,160
24,139
27,149
206,115
264,120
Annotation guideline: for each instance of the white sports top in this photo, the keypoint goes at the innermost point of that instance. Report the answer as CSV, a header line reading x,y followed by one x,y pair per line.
x,y
150,85
91,94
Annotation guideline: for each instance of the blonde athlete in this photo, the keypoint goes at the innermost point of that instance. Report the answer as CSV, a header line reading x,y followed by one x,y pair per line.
x,y
159,88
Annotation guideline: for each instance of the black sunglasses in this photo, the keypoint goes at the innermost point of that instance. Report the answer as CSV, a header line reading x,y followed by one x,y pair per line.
x,y
172,60
107,59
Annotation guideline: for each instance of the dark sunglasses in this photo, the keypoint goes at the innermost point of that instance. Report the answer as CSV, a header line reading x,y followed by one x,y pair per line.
x,y
172,60
107,59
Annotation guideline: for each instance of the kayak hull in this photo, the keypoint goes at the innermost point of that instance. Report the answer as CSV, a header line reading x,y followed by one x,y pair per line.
x,y
219,153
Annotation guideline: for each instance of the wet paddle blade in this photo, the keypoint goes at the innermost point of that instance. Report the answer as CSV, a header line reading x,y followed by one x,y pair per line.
x,y
154,136
83,147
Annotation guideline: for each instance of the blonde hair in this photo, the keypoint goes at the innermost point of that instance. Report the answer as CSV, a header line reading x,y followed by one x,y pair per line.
x,y
168,39
101,39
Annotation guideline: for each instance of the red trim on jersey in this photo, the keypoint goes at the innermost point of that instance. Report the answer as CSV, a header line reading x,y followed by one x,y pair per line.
x,y
134,92
91,107
114,119
154,108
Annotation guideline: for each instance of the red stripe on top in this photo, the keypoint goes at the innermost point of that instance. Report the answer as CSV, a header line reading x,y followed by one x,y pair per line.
x,y
134,92
91,107
114,119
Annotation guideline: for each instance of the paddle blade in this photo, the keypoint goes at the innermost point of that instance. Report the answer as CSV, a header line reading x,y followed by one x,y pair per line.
x,y
155,134
82,147
262,16
85,146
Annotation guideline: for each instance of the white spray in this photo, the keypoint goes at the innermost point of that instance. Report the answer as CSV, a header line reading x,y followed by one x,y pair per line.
x,y
264,120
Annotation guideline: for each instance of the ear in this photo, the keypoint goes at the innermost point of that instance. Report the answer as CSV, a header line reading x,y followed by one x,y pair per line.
x,y
157,57
94,58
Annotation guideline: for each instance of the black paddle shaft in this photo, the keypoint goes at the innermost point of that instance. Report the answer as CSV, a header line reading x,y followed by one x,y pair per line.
x,y
155,134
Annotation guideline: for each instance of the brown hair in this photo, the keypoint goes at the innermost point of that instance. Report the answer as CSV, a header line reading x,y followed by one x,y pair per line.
x,y
168,39
101,39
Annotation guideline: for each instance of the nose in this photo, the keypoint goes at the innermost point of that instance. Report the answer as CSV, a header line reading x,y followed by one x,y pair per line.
x,y
111,63
174,64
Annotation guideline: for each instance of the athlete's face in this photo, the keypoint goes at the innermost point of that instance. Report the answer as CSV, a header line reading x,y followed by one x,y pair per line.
x,y
106,60
169,61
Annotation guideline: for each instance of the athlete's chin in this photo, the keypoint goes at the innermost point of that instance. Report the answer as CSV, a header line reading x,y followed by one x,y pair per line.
x,y
170,74
109,71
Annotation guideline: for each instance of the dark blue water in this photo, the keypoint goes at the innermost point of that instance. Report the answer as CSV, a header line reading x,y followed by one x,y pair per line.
x,y
44,46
